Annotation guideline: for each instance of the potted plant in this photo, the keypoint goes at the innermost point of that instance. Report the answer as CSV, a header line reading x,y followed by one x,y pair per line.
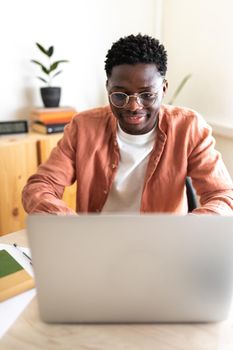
x,y
50,94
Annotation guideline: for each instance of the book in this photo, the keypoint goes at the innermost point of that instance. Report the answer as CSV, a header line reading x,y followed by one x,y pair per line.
x,y
14,279
57,120
48,128
53,115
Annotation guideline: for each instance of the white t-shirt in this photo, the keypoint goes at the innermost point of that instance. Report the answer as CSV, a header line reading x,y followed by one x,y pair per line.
x,y
126,191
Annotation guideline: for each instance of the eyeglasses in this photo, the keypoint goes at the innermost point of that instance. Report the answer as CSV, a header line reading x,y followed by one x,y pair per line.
x,y
145,99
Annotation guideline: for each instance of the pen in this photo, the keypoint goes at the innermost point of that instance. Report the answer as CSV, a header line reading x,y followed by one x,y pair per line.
x,y
27,256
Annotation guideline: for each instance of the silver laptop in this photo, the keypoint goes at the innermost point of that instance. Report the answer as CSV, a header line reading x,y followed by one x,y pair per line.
x,y
132,268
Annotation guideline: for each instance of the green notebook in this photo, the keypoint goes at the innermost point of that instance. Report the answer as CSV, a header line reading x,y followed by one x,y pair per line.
x,y
14,279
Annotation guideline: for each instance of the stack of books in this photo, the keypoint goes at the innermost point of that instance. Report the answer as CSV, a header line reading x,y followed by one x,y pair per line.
x,y
51,120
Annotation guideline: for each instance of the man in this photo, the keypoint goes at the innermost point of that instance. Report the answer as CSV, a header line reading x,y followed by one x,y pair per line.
x,y
134,155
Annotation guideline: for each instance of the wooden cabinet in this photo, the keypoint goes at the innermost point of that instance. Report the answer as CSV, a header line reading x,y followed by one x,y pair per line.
x,y
18,159
20,156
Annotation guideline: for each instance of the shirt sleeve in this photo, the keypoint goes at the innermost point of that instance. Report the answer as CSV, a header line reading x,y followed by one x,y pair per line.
x,y
44,190
210,177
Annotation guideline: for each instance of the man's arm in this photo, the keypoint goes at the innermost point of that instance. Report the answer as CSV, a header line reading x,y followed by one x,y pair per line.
x,y
44,190
209,174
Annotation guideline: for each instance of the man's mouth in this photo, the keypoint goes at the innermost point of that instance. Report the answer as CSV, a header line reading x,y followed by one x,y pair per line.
x,y
134,118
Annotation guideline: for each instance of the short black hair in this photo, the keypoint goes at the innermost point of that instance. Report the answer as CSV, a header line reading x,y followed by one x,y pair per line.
x,y
134,49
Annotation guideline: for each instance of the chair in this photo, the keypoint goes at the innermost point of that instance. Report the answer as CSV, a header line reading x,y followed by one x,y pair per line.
x,y
191,195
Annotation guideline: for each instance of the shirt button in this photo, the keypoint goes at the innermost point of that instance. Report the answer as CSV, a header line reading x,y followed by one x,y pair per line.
x,y
113,166
105,191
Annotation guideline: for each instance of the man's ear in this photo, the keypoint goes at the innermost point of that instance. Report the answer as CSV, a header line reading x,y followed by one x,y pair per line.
x,y
165,87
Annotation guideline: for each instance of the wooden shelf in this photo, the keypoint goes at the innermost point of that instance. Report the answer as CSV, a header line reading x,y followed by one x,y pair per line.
x,y
20,156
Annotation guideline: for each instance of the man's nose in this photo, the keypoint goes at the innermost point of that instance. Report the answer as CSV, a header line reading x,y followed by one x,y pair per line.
x,y
134,103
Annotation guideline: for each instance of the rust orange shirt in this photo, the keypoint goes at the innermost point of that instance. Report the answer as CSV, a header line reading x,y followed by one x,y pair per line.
x,y
88,153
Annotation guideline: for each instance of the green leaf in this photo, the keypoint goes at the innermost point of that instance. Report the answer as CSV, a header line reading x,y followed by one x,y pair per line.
x,y
179,88
50,51
37,62
44,69
54,65
42,49
45,81
59,72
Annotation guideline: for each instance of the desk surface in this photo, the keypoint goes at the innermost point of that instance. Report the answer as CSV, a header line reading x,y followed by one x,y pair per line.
x,y
29,333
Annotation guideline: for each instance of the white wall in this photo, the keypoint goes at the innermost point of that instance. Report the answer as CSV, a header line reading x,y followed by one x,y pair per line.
x,y
225,145
196,33
81,31
198,38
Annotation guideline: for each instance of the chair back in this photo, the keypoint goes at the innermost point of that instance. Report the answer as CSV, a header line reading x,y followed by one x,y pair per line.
x,y
191,195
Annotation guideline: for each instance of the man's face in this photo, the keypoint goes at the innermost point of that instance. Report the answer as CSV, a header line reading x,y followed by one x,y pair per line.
x,y
134,118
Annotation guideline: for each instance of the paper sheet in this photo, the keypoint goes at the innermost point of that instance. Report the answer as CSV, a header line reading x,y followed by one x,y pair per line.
x,y
11,308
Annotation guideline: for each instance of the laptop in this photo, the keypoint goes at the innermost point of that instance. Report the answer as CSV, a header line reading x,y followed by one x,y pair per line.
x,y
132,268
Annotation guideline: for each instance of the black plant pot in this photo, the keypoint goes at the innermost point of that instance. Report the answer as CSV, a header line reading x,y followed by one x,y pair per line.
x,y
50,96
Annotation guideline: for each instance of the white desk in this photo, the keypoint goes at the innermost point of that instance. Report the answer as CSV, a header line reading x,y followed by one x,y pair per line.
x,y
29,333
